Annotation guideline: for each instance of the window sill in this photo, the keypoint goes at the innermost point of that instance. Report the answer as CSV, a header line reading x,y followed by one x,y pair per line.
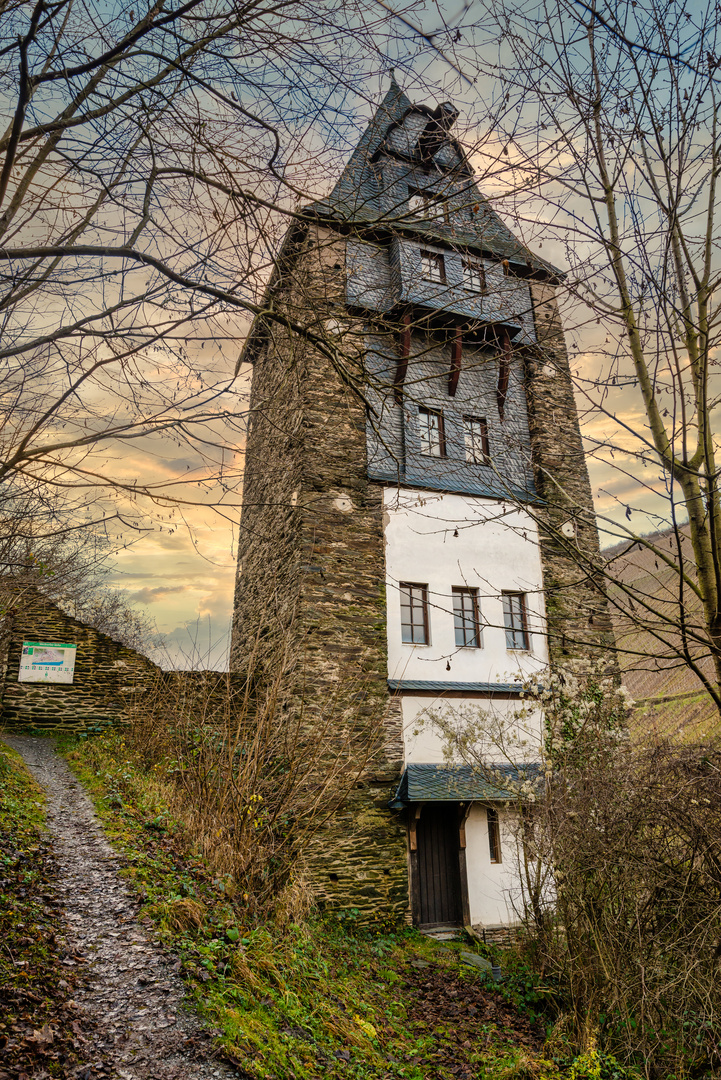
x,y
457,460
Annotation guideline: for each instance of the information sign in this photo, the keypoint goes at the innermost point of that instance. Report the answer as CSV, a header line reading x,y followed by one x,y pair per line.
x,y
47,661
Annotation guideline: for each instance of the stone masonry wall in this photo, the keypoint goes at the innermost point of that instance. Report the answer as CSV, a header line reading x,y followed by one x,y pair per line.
x,y
310,598
108,675
395,454
578,617
268,579
343,617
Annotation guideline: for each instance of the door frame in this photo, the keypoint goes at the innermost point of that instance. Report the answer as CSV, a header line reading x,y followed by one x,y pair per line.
x,y
414,813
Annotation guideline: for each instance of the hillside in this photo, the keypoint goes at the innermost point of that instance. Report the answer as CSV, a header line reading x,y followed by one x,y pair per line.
x,y
670,697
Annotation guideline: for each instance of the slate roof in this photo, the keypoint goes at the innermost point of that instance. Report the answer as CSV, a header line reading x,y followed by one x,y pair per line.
x,y
355,197
466,687
355,193
460,783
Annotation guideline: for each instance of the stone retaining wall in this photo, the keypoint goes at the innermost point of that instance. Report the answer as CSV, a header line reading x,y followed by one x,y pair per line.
x,y
110,679
108,675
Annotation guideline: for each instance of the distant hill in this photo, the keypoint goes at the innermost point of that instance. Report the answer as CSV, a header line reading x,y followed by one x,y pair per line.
x,y
670,697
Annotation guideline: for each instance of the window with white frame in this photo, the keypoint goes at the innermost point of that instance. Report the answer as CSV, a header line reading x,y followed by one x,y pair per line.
x,y
475,430
427,204
433,267
414,613
474,276
431,433
515,620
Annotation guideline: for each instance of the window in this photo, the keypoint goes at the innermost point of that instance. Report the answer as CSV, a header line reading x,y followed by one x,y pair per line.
x,y
514,620
474,276
430,423
476,436
433,267
465,618
427,204
414,613
494,835
416,201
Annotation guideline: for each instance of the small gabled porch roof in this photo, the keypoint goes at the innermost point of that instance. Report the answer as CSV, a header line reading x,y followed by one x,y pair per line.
x,y
425,782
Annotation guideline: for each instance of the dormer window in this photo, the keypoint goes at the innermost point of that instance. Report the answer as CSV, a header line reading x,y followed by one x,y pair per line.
x,y
433,267
426,204
474,276
435,133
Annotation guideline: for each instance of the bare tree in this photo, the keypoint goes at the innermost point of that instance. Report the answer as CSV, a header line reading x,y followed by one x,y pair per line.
x,y
618,885
152,158
601,135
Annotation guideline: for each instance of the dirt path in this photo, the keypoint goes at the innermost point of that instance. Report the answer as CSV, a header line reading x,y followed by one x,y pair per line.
x,y
130,992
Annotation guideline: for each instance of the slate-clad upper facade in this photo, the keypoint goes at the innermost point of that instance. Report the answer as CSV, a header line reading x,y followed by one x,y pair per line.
x,y
395,453
410,196
380,277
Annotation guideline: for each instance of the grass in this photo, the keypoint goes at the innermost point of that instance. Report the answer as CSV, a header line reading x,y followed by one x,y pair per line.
x,y
323,997
687,718
311,998
22,871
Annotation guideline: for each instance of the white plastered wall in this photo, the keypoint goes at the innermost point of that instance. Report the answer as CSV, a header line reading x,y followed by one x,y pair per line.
x,y
495,550
424,742
492,887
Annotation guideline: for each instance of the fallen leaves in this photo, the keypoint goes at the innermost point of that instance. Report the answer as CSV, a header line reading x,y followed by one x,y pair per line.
x,y
366,1027
44,1037
464,1017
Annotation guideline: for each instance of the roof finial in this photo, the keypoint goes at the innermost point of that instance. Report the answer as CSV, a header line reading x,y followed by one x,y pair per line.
x,y
394,81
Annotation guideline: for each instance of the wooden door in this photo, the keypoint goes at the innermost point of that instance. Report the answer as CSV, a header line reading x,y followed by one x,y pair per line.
x,y
439,879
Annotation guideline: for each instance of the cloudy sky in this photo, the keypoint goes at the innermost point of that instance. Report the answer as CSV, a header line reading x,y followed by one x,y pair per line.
x,y
182,573
178,565
185,582
184,577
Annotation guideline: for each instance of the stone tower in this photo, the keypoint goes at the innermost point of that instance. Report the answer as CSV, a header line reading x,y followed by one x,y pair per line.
x,y
415,487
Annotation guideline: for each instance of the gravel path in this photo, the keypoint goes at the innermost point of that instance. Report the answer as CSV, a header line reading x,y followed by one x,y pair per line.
x,y
130,992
